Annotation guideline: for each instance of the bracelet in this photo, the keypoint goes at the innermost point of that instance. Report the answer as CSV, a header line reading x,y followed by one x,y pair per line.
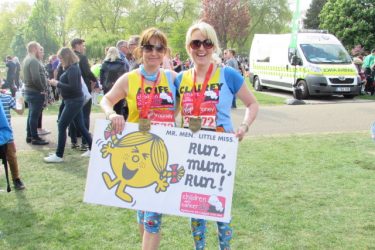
x,y
108,114
244,124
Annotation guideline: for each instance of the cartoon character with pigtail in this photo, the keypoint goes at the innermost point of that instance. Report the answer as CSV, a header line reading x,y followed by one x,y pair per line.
x,y
138,160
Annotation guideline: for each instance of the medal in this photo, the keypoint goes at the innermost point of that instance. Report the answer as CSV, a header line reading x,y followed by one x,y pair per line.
x,y
195,123
144,125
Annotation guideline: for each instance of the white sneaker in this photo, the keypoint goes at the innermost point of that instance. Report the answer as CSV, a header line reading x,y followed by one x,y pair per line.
x,y
42,131
53,158
86,154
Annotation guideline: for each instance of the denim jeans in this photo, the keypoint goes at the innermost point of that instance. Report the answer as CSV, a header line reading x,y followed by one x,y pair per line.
x,y
86,110
35,102
72,112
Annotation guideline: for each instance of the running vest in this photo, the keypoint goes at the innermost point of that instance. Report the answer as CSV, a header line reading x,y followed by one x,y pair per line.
x,y
162,106
215,109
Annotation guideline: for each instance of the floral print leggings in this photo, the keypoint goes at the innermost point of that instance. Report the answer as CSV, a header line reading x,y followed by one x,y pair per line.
x,y
198,228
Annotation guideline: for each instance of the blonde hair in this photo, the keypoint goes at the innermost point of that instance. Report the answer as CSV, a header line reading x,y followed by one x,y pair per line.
x,y
112,54
157,147
67,56
208,31
145,39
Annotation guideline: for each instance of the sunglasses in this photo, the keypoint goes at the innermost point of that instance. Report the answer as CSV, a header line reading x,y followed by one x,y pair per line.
x,y
150,48
196,44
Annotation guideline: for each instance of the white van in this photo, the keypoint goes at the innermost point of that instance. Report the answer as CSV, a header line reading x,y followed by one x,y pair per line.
x,y
322,66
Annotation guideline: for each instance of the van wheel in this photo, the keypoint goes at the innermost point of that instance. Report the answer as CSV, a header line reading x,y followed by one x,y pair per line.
x,y
257,85
303,90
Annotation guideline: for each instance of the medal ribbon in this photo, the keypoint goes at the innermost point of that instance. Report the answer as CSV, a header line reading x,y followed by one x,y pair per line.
x,y
146,106
198,101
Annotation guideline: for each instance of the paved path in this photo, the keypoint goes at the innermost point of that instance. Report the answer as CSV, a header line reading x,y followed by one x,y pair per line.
x,y
271,120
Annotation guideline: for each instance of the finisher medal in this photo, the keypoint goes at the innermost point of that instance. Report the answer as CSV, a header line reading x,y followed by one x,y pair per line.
x,y
144,125
195,123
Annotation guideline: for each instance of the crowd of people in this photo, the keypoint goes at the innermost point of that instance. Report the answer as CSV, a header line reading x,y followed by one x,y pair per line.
x,y
365,64
128,69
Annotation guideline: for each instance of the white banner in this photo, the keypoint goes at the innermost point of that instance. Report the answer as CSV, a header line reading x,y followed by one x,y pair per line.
x,y
166,170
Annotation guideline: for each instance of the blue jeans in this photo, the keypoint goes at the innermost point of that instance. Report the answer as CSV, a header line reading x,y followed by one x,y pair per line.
x,y
86,111
35,102
72,112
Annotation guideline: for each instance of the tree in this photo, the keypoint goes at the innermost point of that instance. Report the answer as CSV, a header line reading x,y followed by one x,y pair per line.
x,y
268,17
41,26
230,18
353,22
12,21
312,15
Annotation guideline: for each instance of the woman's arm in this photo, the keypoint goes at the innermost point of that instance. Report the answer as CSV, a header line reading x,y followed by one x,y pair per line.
x,y
252,107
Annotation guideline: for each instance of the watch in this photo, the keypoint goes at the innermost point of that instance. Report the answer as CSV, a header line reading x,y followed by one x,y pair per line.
x,y
244,124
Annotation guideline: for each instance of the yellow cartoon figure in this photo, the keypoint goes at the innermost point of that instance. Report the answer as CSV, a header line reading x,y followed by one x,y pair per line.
x,y
138,160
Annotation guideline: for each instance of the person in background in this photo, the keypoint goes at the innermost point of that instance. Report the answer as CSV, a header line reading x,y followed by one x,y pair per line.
x,y
230,61
133,43
9,103
177,64
35,91
123,49
18,71
71,91
48,99
112,68
368,66
11,75
203,48
134,86
79,47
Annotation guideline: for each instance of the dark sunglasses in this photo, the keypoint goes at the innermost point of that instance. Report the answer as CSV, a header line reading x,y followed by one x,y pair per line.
x,y
150,48
196,44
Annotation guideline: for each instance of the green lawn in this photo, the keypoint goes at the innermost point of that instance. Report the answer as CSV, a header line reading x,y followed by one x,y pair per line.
x,y
293,192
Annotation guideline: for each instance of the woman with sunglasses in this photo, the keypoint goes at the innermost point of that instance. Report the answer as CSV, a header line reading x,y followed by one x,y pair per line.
x,y
206,93
139,87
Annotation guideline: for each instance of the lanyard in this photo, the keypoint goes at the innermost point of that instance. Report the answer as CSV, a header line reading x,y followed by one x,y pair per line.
x,y
146,106
198,101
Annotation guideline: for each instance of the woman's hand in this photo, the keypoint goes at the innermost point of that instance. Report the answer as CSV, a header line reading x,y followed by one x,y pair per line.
x,y
118,122
241,131
53,82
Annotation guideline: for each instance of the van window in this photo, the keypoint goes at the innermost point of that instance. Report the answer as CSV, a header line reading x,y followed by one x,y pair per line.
x,y
325,53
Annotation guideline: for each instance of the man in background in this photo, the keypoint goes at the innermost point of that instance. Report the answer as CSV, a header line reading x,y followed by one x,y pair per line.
x,y
79,47
35,91
123,49
230,61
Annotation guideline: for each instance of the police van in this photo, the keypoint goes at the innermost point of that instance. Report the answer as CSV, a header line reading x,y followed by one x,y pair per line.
x,y
320,65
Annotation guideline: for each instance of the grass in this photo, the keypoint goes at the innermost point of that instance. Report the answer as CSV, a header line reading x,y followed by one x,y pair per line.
x,y
294,192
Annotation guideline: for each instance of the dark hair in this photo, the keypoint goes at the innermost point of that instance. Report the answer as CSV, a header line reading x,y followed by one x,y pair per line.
x,y
373,51
76,41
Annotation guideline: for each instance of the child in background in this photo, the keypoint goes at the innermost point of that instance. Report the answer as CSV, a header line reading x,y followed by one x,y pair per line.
x,y
9,103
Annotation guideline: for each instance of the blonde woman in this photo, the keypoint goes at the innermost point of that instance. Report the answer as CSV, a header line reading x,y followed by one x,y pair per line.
x,y
213,113
112,68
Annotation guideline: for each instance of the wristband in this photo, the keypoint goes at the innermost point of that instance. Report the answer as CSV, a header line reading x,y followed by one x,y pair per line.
x,y
107,114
